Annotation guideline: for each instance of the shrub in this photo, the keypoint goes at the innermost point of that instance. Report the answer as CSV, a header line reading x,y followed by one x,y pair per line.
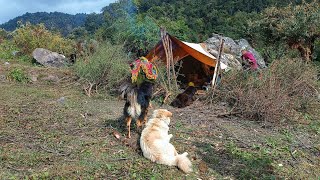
x,y
29,37
3,35
107,67
18,75
285,91
7,48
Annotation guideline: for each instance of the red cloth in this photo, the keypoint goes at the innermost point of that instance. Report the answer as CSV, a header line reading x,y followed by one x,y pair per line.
x,y
147,68
252,61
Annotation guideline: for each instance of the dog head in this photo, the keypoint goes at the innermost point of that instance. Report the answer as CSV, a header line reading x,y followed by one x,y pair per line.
x,y
162,114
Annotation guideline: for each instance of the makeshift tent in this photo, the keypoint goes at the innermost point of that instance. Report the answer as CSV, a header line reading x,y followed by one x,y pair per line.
x,y
197,63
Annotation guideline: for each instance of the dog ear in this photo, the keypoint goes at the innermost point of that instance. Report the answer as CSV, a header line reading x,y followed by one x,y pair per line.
x,y
168,113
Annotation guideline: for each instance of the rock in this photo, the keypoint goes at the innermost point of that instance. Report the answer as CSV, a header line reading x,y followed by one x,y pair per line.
x,y
34,78
16,53
49,58
232,51
61,100
7,63
3,78
51,78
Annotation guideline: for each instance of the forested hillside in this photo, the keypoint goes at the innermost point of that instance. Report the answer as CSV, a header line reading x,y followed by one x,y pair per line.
x,y
61,22
137,22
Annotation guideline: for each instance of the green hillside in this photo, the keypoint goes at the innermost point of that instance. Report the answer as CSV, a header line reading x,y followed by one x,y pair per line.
x,y
61,22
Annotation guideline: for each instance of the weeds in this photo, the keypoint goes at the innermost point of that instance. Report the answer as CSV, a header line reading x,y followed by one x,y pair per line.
x,y
6,49
18,75
106,68
257,163
283,92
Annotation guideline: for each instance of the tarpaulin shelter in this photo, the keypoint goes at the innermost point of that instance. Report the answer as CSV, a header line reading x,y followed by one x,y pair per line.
x,y
196,60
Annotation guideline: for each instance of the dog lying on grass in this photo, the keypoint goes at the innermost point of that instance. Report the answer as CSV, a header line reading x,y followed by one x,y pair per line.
x,y
155,142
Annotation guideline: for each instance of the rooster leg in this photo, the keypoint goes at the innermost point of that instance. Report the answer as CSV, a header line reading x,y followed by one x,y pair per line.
x,y
128,121
139,125
145,116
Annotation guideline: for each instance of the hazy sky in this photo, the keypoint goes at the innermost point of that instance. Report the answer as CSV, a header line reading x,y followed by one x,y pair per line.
x,y
13,8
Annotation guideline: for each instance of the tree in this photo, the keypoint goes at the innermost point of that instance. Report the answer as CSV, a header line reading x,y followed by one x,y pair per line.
x,y
93,22
297,26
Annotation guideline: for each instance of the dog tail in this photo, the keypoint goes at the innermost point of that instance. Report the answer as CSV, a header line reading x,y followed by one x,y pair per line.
x,y
184,163
129,92
126,89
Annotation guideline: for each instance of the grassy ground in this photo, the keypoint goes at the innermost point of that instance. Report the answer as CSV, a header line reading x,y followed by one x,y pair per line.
x,y
45,136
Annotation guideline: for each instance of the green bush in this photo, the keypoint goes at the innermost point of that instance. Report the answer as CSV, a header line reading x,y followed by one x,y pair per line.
x,y
18,75
29,37
3,35
106,68
6,49
285,91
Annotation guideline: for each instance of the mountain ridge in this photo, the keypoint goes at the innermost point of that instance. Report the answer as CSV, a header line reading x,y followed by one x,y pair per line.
x,y
62,22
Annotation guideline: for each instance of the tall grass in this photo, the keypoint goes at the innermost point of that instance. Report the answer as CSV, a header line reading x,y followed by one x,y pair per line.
x,y
105,69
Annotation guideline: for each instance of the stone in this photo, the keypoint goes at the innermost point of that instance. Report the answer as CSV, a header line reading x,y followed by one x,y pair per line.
x,y
16,53
3,78
51,78
48,58
231,55
34,78
61,100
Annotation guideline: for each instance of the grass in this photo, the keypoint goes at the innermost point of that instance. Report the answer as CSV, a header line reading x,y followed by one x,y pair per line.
x,y
44,138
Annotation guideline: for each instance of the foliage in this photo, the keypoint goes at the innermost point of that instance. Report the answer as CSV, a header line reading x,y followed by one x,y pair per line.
x,y
136,23
29,37
62,22
7,48
79,33
283,92
93,22
18,75
123,25
3,35
105,68
296,25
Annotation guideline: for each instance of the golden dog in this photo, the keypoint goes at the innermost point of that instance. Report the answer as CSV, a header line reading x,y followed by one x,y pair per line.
x,y
155,142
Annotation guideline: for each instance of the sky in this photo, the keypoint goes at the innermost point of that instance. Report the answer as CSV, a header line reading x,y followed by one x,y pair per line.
x,y
13,8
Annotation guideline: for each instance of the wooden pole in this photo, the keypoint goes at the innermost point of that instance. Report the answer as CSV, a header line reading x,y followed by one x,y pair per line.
x,y
217,67
167,46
